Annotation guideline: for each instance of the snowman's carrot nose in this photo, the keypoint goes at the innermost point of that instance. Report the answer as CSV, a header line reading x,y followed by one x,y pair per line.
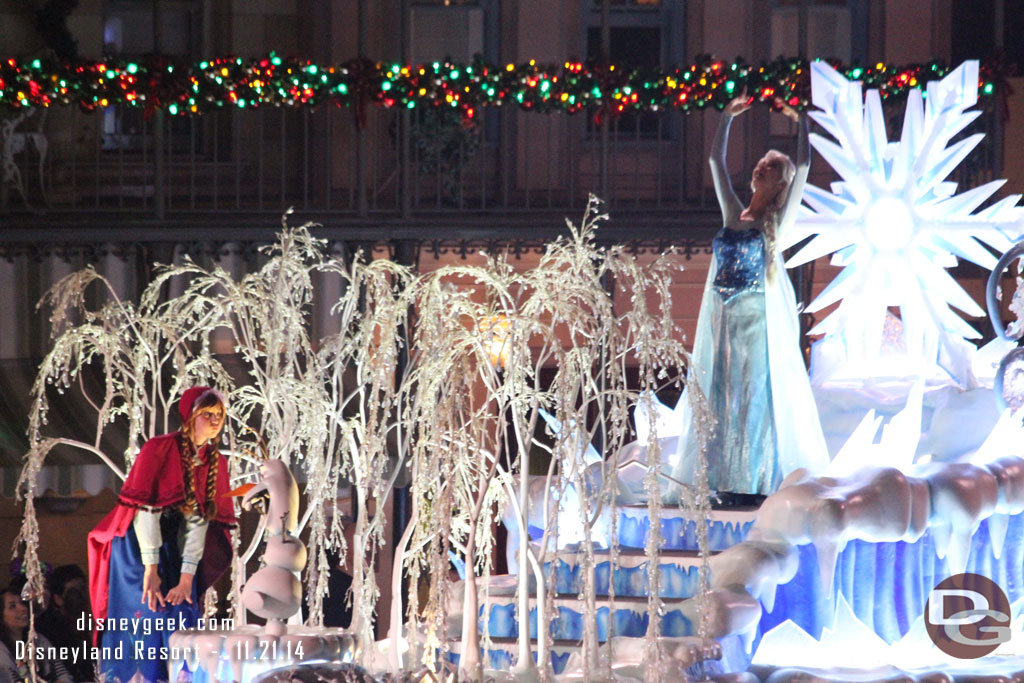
x,y
240,491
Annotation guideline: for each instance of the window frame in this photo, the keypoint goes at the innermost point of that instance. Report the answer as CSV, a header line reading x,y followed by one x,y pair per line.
x,y
669,16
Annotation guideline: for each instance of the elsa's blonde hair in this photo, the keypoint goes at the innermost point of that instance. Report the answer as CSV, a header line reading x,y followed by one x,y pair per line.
x,y
772,217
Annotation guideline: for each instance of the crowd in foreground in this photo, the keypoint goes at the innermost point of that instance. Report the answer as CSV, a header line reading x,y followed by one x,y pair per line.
x,y
64,609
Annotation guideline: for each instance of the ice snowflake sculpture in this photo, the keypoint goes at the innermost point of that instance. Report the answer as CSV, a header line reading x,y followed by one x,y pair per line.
x,y
895,224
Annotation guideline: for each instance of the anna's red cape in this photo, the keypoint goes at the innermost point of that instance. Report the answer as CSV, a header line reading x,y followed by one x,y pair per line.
x,y
155,482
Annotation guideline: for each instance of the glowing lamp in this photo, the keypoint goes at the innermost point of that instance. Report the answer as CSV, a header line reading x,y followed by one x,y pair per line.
x,y
495,330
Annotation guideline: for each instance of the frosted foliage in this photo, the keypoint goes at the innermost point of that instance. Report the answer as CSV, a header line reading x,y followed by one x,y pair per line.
x,y
483,415
894,222
461,419
299,398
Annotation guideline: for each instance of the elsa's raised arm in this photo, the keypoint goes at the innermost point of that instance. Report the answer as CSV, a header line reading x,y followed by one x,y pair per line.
x,y
728,202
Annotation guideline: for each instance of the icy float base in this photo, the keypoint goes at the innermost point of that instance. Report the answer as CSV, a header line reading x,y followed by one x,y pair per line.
x,y
246,653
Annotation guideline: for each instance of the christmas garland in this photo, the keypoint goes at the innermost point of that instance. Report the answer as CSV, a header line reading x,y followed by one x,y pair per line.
x,y
182,89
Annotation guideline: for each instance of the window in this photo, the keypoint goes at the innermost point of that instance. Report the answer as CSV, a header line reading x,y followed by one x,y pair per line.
x,y
829,25
974,26
439,31
644,34
128,31
828,30
129,27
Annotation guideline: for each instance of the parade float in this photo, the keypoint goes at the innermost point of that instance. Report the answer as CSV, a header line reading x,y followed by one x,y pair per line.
x,y
453,381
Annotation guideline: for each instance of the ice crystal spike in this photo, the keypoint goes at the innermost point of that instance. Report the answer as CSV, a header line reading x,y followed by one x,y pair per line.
x,y
894,223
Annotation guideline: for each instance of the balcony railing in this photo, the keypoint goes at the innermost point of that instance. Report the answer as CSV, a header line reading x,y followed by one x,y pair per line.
x,y
399,163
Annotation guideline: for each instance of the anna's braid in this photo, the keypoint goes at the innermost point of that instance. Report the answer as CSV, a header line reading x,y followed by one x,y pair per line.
x,y
213,458
188,453
209,508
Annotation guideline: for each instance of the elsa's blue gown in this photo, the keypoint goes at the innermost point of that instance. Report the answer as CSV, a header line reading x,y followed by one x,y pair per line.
x,y
742,454
746,355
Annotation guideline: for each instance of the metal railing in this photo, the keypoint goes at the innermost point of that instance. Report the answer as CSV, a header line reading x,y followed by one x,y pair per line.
x,y
327,160
335,160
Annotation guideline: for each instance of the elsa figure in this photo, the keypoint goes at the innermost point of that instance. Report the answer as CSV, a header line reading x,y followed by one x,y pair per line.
x,y
746,351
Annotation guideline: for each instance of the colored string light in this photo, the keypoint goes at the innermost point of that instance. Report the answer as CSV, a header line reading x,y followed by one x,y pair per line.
x,y
182,89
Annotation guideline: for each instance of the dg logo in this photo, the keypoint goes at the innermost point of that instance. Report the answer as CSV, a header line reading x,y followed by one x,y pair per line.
x,y
967,616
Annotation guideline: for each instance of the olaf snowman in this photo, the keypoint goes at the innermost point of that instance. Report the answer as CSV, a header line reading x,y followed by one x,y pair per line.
x,y
274,591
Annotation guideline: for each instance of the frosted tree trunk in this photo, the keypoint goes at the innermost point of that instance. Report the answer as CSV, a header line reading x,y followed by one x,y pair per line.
x,y
542,622
590,641
525,663
470,664
362,624
396,631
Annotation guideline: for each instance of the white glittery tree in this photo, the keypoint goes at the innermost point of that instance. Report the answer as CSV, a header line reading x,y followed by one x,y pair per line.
x,y
475,399
895,224
464,415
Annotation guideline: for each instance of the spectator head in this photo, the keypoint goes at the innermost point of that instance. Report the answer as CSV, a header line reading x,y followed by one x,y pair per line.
x,y
68,587
15,610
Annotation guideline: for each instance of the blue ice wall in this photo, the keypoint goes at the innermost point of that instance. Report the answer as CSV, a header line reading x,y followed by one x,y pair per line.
x,y
630,620
676,581
887,584
680,533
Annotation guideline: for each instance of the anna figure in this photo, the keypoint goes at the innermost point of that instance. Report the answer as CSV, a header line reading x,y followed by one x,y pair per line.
x,y
165,542
746,350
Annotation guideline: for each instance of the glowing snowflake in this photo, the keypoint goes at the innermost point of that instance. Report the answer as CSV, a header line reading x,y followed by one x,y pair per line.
x,y
895,224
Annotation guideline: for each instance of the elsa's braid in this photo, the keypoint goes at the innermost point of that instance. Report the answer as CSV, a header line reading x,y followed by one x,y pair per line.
x,y
773,216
